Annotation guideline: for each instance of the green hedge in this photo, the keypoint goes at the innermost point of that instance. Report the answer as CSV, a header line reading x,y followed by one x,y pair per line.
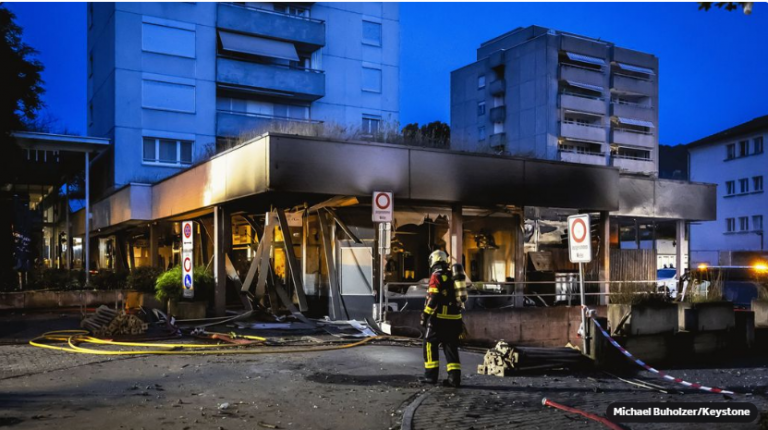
x,y
169,287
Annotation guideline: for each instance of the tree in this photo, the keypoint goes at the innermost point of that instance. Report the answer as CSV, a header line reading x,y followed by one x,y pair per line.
x,y
20,75
436,134
729,6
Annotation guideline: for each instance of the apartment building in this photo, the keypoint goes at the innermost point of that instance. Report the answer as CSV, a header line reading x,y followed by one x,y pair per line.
x,y
168,83
542,93
735,160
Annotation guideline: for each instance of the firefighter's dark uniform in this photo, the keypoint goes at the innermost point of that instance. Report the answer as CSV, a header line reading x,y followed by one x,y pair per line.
x,y
443,320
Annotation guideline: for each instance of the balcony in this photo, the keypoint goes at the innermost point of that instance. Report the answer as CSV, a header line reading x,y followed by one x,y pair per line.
x,y
628,84
574,130
629,110
594,158
582,103
270,79
305,31
633,138
498,140
498,87
634,165
498,114
571,72
237,124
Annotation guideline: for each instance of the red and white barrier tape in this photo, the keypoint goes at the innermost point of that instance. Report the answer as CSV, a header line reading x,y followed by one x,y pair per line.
x,y
656,371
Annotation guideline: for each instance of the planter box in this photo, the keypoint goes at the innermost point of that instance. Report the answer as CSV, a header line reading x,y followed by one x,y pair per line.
x,y
707,316
644,319
55,299
760,308
187,310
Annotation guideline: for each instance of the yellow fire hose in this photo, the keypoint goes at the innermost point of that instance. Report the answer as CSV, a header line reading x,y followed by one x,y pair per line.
x,y
75,337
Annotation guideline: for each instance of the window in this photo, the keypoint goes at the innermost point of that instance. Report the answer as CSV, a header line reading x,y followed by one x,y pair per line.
x,y
481,108
371,79
730,224
371,33
744,185
743,223
481,133
743,148
167,151
371,125
292,10
168,37
757,223
757,145
481,82
173,94
730,151
757,183
730,187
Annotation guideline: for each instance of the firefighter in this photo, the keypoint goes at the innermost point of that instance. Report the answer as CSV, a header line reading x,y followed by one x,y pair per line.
x,y
442,319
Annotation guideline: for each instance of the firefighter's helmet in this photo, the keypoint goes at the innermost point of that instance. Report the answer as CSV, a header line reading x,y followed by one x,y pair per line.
x,y
438,257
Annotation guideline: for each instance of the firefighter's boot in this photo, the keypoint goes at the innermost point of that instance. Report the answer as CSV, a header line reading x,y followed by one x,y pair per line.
x,y
454,379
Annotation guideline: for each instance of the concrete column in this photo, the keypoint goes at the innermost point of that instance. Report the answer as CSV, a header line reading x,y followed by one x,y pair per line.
x,y
518,222
222,238
457,235
87,244
679,247
153,257
604,258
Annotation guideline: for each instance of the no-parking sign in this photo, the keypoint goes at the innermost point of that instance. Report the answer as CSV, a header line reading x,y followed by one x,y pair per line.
x,y
579,240
382,206
187,259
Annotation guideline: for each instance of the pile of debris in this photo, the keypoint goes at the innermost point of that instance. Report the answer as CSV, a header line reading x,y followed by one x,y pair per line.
x,y
106,322
504,360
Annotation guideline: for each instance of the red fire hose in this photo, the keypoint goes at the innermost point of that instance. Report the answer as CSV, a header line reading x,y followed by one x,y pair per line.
x,y
604,421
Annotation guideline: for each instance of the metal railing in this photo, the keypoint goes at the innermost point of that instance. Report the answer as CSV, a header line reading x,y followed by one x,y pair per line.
x,y
582,124
630,130
633,104
269,117
274,12
517,292
584,96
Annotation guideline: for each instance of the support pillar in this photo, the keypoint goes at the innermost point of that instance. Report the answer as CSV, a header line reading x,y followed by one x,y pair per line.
x,y
87,244
518,221
680,246
222,238
153,257
604,256
68,228
457,235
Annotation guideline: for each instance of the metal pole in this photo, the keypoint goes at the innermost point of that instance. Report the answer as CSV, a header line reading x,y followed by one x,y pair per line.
x,y
583,308
87,244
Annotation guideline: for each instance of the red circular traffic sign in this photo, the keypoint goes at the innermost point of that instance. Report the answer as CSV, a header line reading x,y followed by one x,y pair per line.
x,y
187,264
578,239
187,230
385,197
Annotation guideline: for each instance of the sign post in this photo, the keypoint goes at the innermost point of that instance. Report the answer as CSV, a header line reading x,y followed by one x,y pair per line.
x,y
382,213
580,251
187,259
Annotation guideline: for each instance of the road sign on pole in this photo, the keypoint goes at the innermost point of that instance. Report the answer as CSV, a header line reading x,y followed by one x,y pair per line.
x,y
580,251
579,240
382,206
187,259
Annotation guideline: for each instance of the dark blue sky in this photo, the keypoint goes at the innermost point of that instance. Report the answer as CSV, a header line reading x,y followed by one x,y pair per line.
x,y
713,65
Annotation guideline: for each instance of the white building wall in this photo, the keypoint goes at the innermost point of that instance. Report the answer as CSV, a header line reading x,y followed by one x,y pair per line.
x,y
709,164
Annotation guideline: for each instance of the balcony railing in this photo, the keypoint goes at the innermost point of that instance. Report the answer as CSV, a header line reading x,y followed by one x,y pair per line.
x,y
582,124
274,12
580,150
626,103
629,130
584,96
269,117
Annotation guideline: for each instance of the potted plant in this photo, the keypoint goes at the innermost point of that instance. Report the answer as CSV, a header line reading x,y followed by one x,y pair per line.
x,y
168,288
141,282
703,307
637,309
